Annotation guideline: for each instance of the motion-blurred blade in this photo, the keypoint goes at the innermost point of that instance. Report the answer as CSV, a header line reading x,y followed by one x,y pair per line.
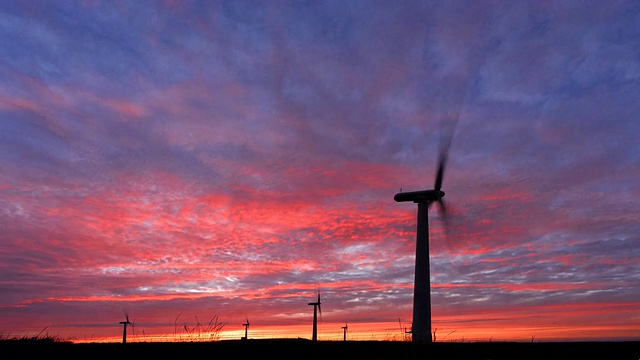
x,y
445,144
442,163
440,174
444,215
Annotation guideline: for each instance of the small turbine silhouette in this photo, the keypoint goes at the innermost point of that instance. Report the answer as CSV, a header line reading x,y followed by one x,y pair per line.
x,y
246,329
316,309
344,331
124,330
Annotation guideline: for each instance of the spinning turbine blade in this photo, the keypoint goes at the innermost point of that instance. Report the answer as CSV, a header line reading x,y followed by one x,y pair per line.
x,y
444,215
440,173
442,160
442,163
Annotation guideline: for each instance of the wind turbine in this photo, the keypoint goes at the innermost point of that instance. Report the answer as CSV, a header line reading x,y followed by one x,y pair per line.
x,y
421,327
316,309
246,327
124,331
344,331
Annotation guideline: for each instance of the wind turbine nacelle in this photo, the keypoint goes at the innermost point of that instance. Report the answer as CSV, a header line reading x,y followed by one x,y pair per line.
x,y
419,196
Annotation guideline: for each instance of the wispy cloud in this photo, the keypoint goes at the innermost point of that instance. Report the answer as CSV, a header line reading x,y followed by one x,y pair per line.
x,y
232,158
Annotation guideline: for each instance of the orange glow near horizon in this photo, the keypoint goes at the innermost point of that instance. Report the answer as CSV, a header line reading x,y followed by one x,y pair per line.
x,y
389,332
551,323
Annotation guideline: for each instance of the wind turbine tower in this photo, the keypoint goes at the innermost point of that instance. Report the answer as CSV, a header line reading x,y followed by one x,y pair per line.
x,y
421,327
344,331
316,309
246,328
124,331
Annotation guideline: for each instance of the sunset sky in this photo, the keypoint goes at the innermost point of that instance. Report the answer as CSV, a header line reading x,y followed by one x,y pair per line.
x,y
183,161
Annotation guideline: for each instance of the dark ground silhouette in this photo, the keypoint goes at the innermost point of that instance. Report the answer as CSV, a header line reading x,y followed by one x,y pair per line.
x,y
332,350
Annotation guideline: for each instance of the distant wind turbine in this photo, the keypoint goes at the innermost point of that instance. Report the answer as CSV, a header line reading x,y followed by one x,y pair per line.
x,y
246,327
421,327
124,331
344,331
316,309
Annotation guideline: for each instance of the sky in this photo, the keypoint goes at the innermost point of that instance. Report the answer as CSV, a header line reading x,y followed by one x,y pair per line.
x,y
192,163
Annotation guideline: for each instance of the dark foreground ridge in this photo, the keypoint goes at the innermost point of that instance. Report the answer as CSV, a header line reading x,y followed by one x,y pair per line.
x,y
331,350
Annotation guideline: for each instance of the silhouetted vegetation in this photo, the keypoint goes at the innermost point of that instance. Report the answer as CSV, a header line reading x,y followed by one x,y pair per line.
x,y
199,331
41,338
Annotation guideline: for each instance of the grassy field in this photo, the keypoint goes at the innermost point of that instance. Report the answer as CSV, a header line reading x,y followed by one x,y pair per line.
x,y
331,350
